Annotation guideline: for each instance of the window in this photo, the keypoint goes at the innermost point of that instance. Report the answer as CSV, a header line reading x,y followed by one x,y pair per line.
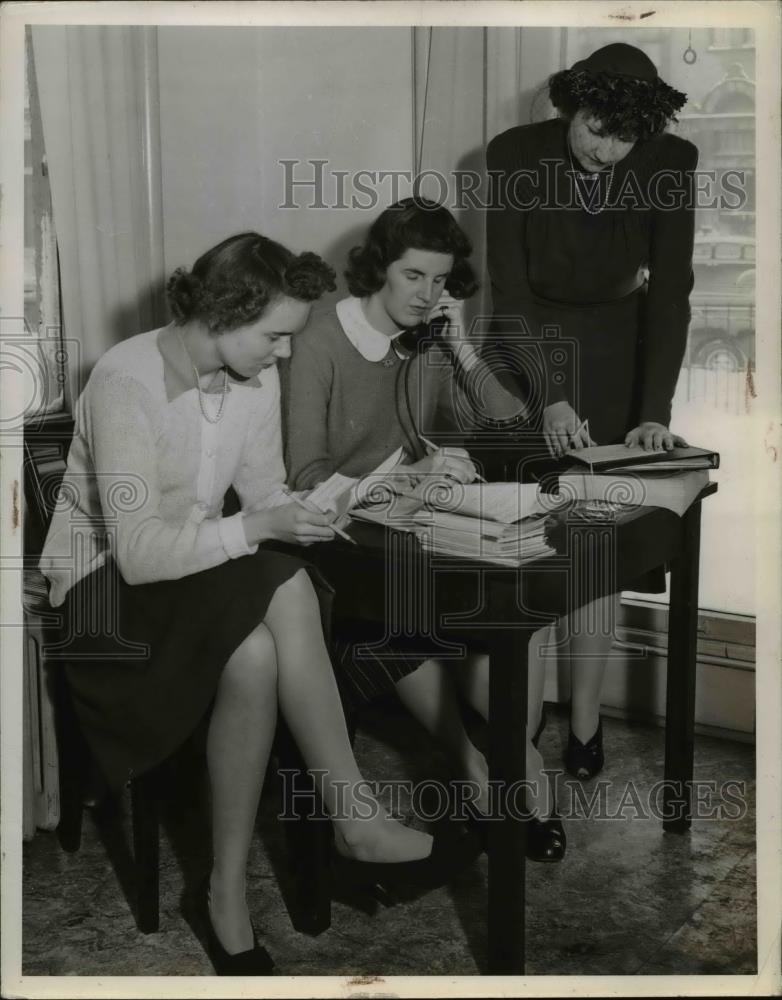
x,y
714,395
730,38
45,358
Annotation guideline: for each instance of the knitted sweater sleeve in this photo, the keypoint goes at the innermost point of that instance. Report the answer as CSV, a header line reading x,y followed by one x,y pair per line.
x,y
515,174
474,392
147,547
309,390
260,478
667,308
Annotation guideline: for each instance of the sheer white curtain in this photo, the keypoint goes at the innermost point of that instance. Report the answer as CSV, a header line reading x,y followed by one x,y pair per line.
x,y
469,84
99,108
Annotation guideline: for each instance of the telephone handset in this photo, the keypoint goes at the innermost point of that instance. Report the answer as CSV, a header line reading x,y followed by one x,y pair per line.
x,y
413,339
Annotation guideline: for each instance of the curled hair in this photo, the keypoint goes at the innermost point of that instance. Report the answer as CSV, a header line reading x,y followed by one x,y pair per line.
x,y
232,284
411,224
627,107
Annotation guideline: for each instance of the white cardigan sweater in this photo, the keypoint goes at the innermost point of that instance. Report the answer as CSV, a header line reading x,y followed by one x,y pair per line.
x,y
147,473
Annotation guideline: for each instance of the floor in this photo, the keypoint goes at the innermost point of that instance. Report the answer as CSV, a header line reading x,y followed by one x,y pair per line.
x,y
627,899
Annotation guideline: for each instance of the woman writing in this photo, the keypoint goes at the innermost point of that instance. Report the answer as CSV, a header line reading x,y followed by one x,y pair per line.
x,y
591,232
356,395
169,420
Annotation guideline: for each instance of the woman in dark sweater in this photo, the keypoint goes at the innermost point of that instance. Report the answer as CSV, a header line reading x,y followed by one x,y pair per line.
x,y
590,231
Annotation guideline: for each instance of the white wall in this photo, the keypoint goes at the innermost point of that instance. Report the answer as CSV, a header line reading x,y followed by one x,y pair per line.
x,y
236,101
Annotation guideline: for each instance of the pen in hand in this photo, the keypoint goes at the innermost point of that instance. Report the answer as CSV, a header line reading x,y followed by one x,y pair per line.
x,y
431,448
316,510
577,431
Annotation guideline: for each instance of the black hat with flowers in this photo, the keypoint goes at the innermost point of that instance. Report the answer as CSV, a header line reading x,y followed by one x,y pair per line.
x,y
619,84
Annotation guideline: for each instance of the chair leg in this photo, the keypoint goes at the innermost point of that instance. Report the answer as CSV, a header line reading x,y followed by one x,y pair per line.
x,y
73,762
309,837
146,851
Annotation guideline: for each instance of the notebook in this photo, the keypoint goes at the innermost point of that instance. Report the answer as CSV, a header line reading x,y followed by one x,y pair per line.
x,y
605,458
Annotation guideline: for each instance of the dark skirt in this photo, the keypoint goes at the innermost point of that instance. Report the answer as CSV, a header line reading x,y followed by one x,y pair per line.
x,y
143,662
599,372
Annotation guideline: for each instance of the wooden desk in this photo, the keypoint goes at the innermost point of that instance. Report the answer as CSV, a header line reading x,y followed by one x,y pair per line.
x,y
387,578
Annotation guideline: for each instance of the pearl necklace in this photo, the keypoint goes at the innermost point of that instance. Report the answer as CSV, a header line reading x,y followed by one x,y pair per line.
x,y
579,197
223,392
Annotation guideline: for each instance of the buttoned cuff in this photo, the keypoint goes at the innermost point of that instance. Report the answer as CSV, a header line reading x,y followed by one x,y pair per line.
x,y
233,538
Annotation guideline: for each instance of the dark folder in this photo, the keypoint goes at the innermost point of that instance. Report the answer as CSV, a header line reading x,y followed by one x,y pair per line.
x,y
607,458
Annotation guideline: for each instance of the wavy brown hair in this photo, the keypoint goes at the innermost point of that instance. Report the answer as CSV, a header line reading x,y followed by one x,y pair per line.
x,y
411,224
232,284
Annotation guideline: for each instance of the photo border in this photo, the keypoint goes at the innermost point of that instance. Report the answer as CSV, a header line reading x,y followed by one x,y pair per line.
x,y
766,445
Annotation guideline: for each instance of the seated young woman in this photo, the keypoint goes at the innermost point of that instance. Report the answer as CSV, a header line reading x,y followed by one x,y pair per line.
x,y
355,394
194,614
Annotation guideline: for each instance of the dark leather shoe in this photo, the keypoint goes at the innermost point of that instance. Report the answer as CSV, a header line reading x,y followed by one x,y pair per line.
x,y
546,840
256,961
452,851
585,760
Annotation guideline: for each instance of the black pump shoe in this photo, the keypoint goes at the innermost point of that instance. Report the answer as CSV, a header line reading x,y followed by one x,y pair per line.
x,y
389,881
256,961
546,840
585,760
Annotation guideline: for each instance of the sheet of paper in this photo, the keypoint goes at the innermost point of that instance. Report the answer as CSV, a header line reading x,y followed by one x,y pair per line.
x,y
339,493
390,463
331,494
503,502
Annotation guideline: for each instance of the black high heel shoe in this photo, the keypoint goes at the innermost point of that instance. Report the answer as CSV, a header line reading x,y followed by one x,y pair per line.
x,y
546,839
390,881
256,961
545,842
585,760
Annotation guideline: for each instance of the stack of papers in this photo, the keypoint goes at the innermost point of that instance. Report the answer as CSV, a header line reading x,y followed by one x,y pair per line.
x,y
493,522
474,538
635,477
675,491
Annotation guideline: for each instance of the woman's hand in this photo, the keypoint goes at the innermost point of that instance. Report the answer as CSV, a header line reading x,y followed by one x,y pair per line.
x,y
560,423
450,463
453,310
288,523
654,437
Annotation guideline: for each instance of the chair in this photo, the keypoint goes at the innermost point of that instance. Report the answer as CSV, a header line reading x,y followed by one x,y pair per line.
x,y
308,838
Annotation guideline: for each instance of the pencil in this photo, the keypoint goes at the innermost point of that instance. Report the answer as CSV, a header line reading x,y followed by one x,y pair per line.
x,y
316,510
580,428
432,448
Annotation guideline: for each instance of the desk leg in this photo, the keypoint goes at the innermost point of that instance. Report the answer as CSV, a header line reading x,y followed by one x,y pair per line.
x,y
507,764
680,694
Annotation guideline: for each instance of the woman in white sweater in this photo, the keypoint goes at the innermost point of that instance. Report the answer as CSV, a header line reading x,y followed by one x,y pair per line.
x,y
192,613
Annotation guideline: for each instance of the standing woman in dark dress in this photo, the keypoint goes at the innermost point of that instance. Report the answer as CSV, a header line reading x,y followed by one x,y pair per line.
x,y
590,230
